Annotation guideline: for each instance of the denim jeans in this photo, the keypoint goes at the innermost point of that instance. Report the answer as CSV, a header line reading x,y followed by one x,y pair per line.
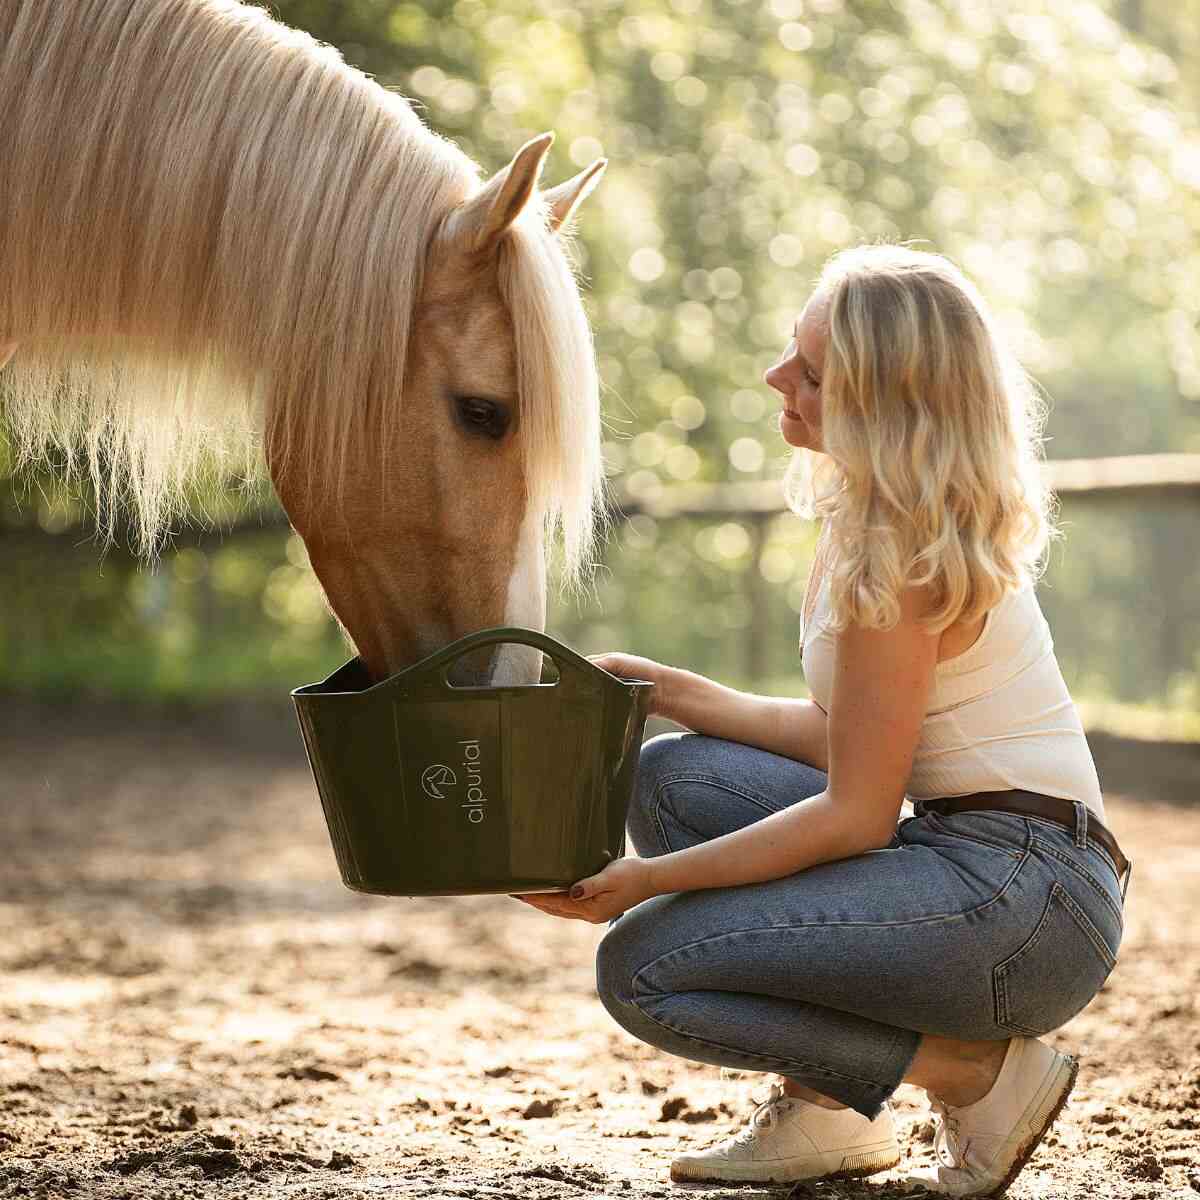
x,y
981,925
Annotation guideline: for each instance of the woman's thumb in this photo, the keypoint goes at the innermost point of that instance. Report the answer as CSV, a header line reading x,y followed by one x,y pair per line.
x,y
582,890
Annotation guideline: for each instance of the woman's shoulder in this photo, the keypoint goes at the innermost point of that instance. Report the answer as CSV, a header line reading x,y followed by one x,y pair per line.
x,y
1012,629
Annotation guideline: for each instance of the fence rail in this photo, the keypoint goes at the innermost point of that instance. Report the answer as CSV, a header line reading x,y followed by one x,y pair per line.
x,y
1093,477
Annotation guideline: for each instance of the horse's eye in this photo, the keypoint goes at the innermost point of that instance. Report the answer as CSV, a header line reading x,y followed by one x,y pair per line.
x,y
487,417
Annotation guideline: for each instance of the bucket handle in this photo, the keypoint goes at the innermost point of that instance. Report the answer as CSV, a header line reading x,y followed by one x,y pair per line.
x,y
563,656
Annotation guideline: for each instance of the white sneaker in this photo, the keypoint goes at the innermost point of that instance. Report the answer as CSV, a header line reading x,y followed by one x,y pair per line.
x,y
982,1147
788,1139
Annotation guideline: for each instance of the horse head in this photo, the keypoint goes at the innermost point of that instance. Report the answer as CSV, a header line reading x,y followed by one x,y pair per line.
x,y
440,527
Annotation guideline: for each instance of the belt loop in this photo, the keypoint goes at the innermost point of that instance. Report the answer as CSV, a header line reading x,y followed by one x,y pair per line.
x,y
1081,818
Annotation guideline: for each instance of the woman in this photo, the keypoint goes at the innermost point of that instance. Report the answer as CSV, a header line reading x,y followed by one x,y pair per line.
x,y
784,915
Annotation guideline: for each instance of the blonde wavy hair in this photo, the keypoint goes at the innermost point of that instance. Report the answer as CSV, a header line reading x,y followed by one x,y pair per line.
x,y
932,438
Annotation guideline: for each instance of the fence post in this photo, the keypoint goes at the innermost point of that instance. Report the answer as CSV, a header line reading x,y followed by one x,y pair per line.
x,y
757,638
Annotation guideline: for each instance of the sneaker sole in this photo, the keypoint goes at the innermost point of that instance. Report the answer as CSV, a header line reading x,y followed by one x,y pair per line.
x,y
869,1160
1044,1115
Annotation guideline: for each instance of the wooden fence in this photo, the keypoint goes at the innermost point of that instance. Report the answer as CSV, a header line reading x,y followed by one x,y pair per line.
x,y
1127,477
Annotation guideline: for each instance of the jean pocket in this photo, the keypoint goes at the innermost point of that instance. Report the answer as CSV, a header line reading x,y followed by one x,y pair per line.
x,y
1107,885
1058,970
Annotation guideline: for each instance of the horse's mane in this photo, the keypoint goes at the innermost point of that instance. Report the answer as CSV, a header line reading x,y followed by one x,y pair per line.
x,y
206,216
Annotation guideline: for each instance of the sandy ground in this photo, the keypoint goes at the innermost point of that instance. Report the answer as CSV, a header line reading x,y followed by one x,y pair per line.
x,y
193,1006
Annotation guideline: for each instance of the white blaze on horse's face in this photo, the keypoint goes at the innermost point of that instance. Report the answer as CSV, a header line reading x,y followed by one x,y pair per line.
x,y
454,546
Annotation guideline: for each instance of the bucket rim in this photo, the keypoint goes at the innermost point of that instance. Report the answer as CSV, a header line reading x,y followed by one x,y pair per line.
x,y
497,635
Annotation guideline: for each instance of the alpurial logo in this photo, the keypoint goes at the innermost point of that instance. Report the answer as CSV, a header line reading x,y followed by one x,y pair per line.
x,y
437,779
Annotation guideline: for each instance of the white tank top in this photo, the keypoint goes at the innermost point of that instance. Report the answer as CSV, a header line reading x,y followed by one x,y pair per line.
x,y
999,715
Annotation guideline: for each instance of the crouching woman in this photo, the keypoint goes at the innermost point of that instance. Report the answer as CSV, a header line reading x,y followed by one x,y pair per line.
x,y
784,913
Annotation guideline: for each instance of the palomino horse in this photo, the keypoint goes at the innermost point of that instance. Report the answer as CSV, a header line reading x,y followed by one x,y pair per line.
x,y
215,235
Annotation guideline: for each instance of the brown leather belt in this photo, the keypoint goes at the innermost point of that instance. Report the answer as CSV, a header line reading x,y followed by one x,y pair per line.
x,y
1034,804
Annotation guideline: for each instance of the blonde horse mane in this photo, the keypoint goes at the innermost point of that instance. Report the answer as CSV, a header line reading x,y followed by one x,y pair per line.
x,y
207,220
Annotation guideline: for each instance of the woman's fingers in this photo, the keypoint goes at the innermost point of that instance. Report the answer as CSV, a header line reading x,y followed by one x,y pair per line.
x,y
627,666
556,904
608,662
538,898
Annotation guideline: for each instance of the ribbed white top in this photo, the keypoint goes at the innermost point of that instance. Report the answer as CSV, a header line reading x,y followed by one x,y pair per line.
x,y
999,715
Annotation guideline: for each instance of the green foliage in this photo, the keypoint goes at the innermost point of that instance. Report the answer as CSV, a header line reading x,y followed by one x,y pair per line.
x,y
245,617
1050,148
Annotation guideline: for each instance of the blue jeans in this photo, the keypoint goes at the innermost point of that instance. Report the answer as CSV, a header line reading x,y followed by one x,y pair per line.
x,y
979,926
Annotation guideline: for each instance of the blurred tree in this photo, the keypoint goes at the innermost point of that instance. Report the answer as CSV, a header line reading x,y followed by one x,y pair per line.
x,y
1174,29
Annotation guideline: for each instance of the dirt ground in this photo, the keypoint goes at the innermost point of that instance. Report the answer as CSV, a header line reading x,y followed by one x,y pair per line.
x,y
193,1006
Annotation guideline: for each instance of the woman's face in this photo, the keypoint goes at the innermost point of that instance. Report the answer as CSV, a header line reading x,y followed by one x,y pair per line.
x,y
797,376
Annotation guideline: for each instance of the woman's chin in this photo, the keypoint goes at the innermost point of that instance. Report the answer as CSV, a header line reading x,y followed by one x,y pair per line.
x,y
795,431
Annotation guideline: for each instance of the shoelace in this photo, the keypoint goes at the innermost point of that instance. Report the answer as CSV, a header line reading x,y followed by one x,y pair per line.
x,y
763,1115
945,1136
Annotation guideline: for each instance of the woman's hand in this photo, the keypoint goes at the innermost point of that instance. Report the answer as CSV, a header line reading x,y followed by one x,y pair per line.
x,y
631,666
622,884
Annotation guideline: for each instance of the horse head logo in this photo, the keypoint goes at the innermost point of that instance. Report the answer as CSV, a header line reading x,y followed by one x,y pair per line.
x,y
436,778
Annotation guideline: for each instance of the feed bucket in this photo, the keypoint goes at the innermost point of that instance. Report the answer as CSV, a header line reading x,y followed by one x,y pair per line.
x,y
431,789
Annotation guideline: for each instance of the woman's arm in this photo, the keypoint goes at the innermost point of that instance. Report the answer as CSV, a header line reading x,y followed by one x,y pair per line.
x,y
881,684
794,728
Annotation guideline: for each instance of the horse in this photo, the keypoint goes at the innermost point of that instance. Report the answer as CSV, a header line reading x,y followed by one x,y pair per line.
x,y
223,247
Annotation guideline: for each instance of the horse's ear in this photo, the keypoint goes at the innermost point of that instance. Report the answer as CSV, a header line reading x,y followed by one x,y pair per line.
x,y
564,199
484,219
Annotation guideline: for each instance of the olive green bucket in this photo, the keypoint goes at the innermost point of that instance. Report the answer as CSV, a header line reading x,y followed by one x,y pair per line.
x,y
430,789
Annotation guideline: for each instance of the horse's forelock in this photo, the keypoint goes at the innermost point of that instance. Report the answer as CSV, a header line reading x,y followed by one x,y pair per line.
x,y
558,385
